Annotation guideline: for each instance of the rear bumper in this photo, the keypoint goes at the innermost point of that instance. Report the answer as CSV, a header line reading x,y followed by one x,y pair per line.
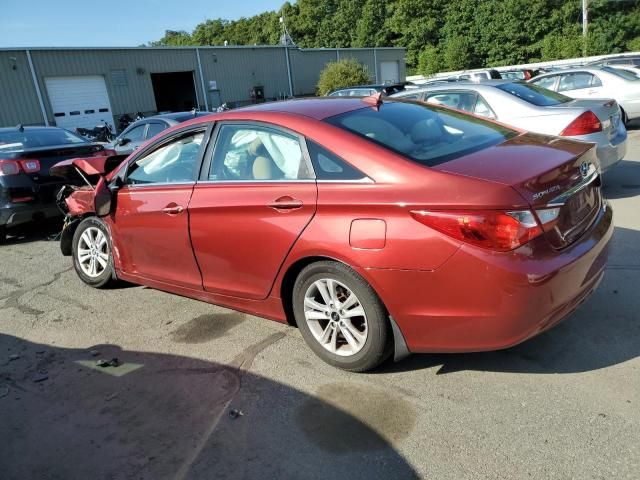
x,y
610,151
481,300
18,214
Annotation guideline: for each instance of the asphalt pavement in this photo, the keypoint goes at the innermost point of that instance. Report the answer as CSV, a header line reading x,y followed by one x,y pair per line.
x,y
202,392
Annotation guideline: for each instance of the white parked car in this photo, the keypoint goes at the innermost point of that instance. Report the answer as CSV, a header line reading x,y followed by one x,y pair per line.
x,y
532,108
596,82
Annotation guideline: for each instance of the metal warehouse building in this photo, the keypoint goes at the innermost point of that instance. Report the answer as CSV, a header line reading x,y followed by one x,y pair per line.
x,y
79,87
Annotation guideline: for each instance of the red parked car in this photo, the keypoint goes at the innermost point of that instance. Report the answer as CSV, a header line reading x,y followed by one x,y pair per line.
x,y
378,228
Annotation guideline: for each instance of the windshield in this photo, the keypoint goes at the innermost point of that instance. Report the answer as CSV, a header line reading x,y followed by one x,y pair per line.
x,y
621,73
426,134
16,140
534,94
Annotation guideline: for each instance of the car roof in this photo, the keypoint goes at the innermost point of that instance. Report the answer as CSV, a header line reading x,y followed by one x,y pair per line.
x,y
457,86
176,115
586,68
318,108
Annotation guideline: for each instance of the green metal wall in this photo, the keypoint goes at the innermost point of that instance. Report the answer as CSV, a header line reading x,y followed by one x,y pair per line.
x,y
236,70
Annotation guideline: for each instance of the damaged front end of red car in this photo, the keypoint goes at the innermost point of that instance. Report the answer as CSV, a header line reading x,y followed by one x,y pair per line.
x,y
85,193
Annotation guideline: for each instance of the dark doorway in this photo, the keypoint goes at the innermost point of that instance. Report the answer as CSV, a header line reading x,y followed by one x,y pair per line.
x,y
174,91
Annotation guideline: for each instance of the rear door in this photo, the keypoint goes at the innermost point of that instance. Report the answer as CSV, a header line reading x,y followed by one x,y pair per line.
x,y
151,222
580,85
255,196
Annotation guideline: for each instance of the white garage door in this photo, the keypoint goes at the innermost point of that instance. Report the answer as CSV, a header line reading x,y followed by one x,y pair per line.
x,y
389,71
79,101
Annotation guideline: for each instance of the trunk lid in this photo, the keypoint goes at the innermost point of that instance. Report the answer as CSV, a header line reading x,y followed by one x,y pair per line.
x,y
549,172
50,155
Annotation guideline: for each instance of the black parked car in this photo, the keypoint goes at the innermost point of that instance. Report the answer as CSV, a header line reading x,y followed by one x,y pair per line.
x,y
27,191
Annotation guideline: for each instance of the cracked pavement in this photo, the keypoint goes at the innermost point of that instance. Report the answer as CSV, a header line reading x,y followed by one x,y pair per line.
x,y
563,405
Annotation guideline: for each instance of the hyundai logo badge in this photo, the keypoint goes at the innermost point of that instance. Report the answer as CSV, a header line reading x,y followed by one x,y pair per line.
x,y
584,169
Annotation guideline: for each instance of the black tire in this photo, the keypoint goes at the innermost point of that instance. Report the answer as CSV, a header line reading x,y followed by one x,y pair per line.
x,y
378,344
3,234
625,118
107,277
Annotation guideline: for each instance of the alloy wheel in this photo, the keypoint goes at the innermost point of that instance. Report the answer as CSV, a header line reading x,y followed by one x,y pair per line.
x,y
93,252
335,317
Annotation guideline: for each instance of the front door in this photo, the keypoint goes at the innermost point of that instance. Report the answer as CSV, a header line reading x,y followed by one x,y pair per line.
x,y
253,202
151,220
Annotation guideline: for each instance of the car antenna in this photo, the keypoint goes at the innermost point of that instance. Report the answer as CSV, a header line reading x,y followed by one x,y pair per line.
x,y
20,127
374,100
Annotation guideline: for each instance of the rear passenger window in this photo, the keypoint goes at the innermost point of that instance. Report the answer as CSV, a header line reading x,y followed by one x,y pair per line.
x,y
575,81
249,153
329,166
154,129
482,108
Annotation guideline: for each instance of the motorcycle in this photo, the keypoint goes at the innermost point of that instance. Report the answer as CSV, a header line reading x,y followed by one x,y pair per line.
x,y
100,133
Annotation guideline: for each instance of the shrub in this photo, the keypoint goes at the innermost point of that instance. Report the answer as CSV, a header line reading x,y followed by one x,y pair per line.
x,y
341,74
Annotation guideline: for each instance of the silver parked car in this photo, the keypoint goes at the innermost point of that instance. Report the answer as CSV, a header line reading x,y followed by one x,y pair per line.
x,y
536,109
596,82
142,130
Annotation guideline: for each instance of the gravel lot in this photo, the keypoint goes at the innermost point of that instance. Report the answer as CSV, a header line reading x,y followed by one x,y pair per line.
x,y
563,405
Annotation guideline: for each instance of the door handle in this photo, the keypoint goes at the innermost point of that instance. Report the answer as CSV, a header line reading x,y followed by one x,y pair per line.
x,y
285,203
172,209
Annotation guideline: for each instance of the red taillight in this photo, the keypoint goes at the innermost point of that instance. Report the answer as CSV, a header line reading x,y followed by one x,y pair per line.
x,y
583,125
495,230
30,165
9,167
14,167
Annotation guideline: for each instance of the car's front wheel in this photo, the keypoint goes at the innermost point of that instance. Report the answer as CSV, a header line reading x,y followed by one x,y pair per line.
x,y
92,258
340,317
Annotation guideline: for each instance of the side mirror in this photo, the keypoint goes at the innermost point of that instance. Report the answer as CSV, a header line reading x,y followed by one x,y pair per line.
x,y
123,141
116,184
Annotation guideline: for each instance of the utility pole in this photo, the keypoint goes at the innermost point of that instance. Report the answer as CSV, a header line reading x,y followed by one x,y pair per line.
x,y
585,26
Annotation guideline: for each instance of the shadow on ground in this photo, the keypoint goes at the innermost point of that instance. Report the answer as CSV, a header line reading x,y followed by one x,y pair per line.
x,y
603,332
623,181
159,416
37,230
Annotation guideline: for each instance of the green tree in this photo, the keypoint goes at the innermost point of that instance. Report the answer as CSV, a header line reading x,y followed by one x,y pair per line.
x,y
344,73
175,38
465,33
457,53
429,61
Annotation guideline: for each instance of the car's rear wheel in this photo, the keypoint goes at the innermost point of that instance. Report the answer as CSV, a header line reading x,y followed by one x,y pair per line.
x,y
92,258
340,317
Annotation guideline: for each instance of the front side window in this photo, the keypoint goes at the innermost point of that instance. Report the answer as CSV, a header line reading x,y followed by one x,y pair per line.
x,y
426,134
174,162
248,153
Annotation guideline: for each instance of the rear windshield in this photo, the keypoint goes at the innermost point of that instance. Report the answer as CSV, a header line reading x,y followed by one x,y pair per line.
x,y
426,134
16,141
534,94
621,73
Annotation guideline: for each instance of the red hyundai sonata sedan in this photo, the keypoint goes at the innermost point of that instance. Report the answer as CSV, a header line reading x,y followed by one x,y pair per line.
x,y
378,228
